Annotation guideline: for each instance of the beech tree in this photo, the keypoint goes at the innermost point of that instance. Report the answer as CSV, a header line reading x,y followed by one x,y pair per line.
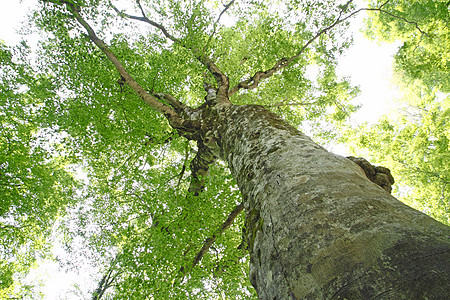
x,y
182,121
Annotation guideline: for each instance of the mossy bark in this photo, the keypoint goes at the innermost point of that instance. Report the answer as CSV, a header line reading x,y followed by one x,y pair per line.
x,y
317,228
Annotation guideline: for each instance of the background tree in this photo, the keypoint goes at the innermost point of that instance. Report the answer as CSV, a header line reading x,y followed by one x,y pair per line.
x,y
415,143
35,185
132,104
415,138
422,26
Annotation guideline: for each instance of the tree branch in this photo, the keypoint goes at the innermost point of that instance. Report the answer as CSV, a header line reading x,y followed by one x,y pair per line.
x,y
106,281
398,17
12,227
173,118
172,101
184,111
254,81
146,20
199,168
183,169
226,7
286,103
209,241
138,2
221,79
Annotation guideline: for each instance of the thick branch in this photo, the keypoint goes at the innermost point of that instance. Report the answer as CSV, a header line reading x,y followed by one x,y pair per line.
x,y
173,118
172,101
221,79
186,112
209,241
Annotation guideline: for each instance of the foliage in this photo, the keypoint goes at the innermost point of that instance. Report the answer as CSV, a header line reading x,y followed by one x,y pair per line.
x,y
424,54
140,228
135,215
35,185
414,143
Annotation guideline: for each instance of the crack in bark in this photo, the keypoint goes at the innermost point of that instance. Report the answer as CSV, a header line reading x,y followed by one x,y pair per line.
x,y
347,284
281,262
429,255
382,293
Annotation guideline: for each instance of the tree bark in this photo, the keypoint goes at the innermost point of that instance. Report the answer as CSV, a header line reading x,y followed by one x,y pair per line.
x,y
316,227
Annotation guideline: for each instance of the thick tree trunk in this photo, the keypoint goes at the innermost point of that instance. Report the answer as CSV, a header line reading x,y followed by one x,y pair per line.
x,y
317,228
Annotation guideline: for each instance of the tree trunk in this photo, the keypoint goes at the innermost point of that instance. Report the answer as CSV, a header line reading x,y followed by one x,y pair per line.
x,y
316,227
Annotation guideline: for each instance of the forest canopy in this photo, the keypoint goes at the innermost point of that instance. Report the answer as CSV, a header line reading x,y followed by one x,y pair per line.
x,y
97,156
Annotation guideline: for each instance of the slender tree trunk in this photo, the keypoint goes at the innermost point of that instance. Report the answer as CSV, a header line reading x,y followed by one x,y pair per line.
x,y
317,228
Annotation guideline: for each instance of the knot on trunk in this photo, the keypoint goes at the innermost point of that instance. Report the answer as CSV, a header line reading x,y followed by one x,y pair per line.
x,y
380,175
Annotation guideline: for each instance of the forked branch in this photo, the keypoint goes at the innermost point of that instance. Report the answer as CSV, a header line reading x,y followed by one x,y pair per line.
x,y
107,281
209,241
221,79
174,119
254,81
146,20
226,7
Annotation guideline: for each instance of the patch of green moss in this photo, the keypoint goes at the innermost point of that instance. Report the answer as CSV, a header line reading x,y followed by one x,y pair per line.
x,y
253,223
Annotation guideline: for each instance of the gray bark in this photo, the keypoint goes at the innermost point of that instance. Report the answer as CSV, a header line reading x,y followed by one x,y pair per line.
x,y
316,227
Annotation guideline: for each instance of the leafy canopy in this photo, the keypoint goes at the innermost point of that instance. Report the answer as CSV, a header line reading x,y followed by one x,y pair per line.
x,y
414,140
35,185
422,26
141,230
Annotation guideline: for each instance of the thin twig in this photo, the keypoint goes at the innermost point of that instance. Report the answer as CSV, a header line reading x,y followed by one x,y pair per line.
x,y
215,24
138,2
286,103
146,20
221,79
254,81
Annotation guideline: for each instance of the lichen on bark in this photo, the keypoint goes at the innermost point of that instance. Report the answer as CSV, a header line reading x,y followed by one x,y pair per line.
x,y
317,227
